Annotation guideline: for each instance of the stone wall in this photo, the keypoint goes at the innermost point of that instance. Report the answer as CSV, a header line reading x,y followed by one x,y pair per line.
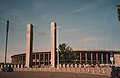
x,y
89,70
100,70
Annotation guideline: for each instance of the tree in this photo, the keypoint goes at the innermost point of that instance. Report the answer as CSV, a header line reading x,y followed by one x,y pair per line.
x,y
66,54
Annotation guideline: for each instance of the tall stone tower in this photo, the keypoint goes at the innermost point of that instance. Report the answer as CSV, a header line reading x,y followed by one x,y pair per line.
x,y
53,44
29,45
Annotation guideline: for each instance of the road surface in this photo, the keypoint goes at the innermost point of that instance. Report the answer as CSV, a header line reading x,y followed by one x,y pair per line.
x,y
47,75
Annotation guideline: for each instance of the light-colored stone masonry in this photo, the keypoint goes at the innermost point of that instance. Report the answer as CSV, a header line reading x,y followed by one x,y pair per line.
x,y
103,70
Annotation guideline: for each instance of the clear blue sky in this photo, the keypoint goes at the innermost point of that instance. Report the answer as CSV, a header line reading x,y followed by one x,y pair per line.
x,y
90,22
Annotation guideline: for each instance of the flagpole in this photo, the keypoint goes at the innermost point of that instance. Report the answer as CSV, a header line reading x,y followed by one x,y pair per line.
x,y
7,29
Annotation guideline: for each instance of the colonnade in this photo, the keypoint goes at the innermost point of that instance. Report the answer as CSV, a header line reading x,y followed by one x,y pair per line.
x,y
38,59
18,59
93,58
41,59
83,57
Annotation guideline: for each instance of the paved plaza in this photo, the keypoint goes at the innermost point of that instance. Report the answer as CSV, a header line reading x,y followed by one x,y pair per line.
x,y
47,75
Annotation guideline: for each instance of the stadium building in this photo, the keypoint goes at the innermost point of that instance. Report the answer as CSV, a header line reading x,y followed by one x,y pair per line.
x,y
50,58
82,57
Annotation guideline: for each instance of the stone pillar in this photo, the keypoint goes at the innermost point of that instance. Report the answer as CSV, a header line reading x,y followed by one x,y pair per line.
x,y
12,65
53,44
18,66
39,59
22,59
75,65
86,58
21,65
29,45
106,58
80,58
102,58
2,66
44,59
68,66
35,60
91,54
48,58
15,66
97,57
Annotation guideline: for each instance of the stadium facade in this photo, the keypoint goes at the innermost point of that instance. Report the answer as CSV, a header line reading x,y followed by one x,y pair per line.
x,y
41,58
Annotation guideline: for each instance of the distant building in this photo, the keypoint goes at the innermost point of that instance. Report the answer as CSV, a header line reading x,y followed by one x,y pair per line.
x,y
82,57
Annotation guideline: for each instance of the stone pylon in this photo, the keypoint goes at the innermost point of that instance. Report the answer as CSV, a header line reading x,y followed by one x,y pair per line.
x,y
29,45
53,44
